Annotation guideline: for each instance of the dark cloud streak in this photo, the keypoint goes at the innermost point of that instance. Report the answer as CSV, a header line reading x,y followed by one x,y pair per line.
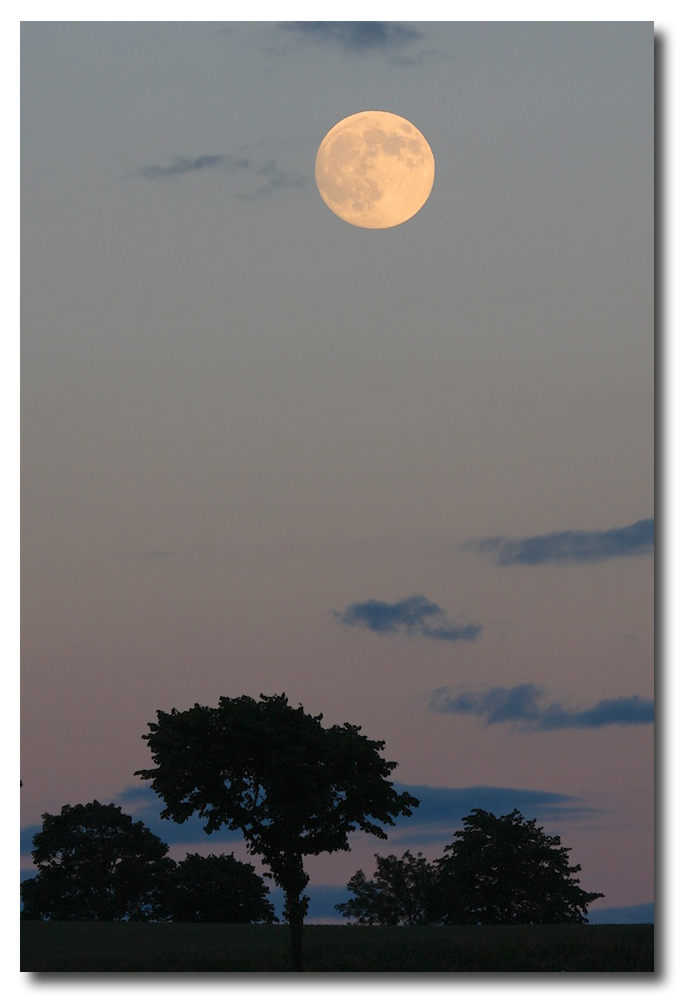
x,y
356,36
275,179
438,816
570,546
525,708
443,806
414,615
440,811
181,165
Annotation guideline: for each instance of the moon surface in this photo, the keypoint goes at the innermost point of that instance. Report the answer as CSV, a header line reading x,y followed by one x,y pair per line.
x,y
374,169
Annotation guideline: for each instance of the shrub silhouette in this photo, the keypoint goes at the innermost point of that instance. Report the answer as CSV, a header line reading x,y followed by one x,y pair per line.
x,y
219,889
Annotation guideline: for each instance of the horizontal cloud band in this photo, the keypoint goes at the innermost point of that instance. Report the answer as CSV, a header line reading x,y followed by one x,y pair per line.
x,y
438,816
441,809
415,615
355,36
525,707
570,546
273,177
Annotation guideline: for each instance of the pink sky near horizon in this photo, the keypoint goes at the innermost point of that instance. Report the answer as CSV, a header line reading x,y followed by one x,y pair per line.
x,y
240,415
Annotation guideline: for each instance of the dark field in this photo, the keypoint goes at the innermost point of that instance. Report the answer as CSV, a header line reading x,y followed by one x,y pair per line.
x,y
138,947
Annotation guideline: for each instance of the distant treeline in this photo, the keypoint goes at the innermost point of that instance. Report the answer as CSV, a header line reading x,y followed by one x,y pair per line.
x,y
96,863
294,789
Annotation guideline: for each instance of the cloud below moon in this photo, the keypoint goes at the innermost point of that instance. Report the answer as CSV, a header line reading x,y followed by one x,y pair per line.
x,y
414,615
526,709
570,546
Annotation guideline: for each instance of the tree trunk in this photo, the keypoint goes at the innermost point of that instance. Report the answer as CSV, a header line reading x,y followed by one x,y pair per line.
x,y
296,931
296,905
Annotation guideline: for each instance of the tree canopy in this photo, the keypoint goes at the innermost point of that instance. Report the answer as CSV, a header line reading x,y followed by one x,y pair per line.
x,y
219,889
506,870
499,870
291,786
95,863
403,891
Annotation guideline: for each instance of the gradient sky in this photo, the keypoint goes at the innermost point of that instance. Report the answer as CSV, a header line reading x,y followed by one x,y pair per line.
x,y
404,476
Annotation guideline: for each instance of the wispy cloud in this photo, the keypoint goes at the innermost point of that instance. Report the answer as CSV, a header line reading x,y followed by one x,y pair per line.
x,y
527,709
440,811
273,178
414,615
570,546
442,807
181,165
359,37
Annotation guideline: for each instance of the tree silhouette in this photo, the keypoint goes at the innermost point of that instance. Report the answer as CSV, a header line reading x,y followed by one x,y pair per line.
x,y
403,891
95,863
292,787
219,889
505,870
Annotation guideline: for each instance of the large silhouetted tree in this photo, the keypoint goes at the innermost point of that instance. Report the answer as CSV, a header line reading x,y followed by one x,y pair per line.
x,y
95,863
403,891
292,787
219,889
506,870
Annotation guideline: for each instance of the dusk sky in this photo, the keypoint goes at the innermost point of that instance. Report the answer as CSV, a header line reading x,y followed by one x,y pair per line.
x,y
404,476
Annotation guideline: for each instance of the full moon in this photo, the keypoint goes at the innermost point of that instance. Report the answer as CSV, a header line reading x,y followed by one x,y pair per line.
x,y
374,169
